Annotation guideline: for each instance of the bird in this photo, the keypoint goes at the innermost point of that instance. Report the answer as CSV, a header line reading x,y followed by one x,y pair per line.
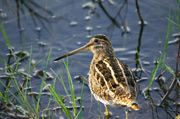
x,y
111,81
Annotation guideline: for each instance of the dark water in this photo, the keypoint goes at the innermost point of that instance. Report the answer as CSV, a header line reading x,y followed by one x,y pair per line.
x,y
64,25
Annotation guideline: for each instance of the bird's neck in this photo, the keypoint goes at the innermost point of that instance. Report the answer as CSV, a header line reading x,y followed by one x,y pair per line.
x,y
101,56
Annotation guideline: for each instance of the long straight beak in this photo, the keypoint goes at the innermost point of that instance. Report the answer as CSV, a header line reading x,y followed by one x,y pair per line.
x,y
81,49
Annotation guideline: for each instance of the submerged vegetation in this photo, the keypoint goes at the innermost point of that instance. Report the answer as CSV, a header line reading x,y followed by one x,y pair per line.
x,y
20,98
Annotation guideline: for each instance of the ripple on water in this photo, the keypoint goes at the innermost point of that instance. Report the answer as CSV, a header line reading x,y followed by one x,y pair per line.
x,y
38,28
73,23
89,28
3,15
119,49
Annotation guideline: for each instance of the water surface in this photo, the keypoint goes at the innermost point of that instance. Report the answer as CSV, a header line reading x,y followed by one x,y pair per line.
x,y
66,25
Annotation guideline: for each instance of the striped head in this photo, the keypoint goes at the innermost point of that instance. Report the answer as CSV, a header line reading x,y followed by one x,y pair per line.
x,y
99,43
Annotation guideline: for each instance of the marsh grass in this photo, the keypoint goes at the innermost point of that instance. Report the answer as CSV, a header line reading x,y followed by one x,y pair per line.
x,y
162,60
21,95
21,89
18,98
71,95
16,93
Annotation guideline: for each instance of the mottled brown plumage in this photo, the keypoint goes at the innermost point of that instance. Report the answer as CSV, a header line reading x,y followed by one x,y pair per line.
x,y
110,80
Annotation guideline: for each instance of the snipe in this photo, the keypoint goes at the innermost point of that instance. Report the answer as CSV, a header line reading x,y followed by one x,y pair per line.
x,y
110,80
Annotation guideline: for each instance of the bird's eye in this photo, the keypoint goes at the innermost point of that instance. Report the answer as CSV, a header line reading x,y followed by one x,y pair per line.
x,y
96,40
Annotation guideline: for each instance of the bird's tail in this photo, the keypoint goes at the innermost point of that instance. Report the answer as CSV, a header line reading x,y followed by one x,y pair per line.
x,y
135,106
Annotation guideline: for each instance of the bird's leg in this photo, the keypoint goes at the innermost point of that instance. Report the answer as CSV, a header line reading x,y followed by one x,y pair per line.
x,y
107,112
126,111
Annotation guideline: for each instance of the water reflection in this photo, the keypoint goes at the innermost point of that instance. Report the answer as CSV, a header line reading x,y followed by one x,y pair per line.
x,y
168,107
115,20
154,95
137,58
39,14
34,10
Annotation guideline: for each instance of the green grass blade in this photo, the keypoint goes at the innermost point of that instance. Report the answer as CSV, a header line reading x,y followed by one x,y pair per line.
x,y
21,52
42,83
11,93
5,36
167,36
73,100
154,73
59,101
80,111
7,41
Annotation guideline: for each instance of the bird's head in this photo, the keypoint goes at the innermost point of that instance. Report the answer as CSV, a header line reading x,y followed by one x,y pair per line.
x,y
98,44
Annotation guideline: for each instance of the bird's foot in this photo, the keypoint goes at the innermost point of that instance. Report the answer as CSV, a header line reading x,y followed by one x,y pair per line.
x,y
108,114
